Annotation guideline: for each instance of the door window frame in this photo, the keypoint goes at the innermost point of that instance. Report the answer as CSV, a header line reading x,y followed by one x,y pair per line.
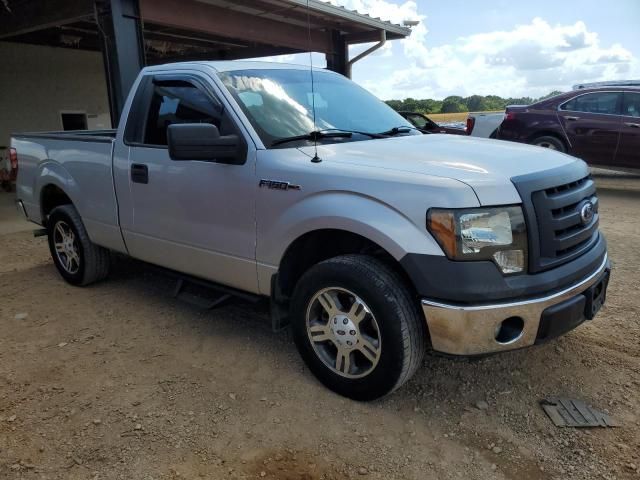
x,y
135,128
627,92
618,103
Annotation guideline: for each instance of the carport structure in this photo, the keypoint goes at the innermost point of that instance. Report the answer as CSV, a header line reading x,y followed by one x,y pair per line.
x,y
134,33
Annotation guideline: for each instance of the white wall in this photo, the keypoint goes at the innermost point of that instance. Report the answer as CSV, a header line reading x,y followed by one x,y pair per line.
x,y
38,82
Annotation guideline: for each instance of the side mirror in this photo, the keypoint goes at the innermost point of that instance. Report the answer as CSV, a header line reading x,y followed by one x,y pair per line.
x,y
202,141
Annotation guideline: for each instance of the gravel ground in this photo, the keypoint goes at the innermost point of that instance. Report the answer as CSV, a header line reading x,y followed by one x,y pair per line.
x,y
119,380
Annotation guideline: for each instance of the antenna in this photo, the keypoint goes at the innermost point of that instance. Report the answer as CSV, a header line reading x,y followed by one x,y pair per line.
x,y
315,158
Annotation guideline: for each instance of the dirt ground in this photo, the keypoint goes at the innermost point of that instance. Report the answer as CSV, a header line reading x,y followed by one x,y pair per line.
x,y
121,381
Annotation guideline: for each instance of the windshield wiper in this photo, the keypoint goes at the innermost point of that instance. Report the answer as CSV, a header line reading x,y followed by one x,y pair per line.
x,y
312,136
326,133
358,132
397,130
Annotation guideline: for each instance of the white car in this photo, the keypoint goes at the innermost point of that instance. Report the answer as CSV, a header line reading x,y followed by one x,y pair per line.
x,y
485,124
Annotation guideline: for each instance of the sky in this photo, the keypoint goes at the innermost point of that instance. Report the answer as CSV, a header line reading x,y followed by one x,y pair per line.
x,y
497,47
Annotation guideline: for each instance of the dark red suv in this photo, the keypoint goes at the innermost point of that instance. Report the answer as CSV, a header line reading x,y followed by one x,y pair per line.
x,y
599,125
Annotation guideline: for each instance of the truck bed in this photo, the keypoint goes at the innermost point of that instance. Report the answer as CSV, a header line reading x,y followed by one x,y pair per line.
x,y
80,164
80,135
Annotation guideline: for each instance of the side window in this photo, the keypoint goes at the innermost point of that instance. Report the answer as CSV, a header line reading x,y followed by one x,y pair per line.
x,y
417,121
178,101
601,102
631,104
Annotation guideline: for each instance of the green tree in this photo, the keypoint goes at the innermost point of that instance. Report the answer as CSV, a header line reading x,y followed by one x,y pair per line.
x,y
395,104
476,103
429,105
410,104
550,94
453,104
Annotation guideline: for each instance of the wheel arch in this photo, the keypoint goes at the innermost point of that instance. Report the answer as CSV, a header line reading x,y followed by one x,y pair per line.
x,y
318,245
550,133
56,187
52,196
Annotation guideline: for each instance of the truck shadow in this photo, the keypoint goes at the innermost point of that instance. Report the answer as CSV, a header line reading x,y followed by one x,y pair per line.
x,y
440,378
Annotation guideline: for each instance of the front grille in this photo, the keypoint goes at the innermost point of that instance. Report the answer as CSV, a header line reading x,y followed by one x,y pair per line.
x,y
552,200
562,234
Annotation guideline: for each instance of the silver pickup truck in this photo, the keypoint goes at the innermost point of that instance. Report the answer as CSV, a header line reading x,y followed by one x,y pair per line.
x,y
372,241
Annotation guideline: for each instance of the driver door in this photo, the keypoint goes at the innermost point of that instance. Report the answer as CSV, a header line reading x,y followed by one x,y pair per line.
x,y
196,217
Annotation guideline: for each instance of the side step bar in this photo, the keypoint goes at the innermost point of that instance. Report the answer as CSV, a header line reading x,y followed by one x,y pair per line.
x,y
203,293
200,300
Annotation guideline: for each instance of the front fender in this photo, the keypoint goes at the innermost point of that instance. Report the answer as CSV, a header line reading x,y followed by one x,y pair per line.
x,y
347,211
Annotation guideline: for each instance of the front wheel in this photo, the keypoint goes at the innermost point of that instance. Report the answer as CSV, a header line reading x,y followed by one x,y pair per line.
x,y
79,261
357,326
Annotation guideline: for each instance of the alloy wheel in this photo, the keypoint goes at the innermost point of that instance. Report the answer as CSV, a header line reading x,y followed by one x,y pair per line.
x,y
343,332
548,145
66,247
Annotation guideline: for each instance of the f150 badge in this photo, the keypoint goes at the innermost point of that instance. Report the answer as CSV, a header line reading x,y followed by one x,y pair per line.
x,y
277,185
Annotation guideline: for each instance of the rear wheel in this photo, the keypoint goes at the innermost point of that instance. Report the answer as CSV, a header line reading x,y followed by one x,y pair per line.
x,y
548,141
357,326
79,261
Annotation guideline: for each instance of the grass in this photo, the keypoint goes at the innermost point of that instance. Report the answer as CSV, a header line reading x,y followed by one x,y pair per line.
x,y
450,117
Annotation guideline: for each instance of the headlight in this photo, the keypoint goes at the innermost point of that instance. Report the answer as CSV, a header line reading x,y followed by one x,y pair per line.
x,y
497,233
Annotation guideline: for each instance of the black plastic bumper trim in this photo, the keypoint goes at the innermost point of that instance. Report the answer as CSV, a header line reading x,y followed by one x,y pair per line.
x,y
436,277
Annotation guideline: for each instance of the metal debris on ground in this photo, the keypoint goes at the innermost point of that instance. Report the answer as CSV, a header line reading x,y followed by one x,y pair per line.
x,y
568,412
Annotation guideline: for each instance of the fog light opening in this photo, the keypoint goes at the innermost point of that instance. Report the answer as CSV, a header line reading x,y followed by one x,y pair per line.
x,y
510,330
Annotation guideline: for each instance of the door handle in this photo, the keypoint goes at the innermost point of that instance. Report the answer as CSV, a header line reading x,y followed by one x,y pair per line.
x,y
139,173
573,119
632,125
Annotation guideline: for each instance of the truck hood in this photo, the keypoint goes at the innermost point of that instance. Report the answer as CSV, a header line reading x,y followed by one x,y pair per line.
x,y
485,165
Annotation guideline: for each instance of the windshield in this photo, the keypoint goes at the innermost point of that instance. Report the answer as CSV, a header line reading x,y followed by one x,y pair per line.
x,y
279,104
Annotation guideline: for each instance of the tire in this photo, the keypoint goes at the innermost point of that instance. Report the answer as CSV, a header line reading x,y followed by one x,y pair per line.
x,y
79,261
548,141
385,326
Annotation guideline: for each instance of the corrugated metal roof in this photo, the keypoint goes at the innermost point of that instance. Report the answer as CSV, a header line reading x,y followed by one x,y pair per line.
x,y
352,16
282,10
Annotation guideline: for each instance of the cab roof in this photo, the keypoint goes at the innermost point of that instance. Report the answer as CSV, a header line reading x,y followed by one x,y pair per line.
x,y
232,65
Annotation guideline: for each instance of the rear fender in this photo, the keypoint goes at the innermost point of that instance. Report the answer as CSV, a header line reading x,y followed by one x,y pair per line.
x,y
51,172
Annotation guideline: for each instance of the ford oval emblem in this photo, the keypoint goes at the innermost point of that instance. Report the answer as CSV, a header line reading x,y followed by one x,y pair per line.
x,y
587,212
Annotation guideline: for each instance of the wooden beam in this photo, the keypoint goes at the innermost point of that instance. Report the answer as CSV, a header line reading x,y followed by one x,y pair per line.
x,y
55,38
33,15
191,15
368,37
154,58
257,52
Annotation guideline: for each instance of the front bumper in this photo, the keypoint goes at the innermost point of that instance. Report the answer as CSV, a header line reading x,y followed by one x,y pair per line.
x,y
472,329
